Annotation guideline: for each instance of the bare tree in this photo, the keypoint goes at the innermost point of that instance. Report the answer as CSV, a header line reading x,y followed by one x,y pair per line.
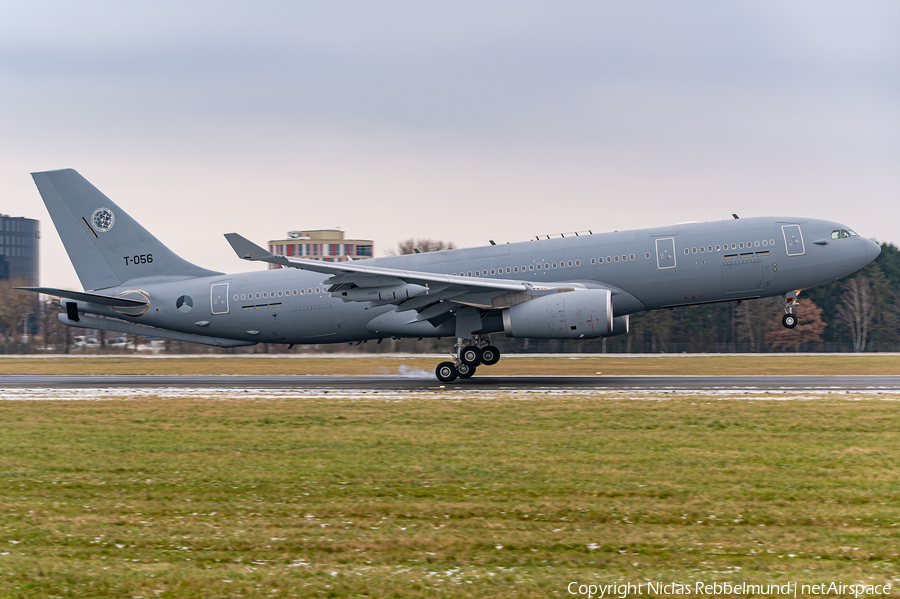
x,y
751,320
47,311
14,308
409,246
857,310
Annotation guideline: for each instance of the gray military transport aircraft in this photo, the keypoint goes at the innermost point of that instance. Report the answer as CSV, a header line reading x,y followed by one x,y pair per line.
x,y
569,287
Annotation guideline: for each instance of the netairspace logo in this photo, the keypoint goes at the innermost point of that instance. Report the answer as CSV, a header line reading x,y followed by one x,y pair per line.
x,y
628,589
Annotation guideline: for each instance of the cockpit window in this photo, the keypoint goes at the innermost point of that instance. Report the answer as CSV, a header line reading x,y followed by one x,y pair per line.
x,y
836,234
853,233
844,233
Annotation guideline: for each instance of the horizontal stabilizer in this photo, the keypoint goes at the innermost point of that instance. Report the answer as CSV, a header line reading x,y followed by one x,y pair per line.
x,y
81,296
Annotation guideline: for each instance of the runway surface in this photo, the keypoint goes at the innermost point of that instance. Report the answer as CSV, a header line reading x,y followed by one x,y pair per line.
x,y
412,383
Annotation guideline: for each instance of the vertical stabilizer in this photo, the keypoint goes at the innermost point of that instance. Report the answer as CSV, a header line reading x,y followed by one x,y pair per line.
x,y
107,247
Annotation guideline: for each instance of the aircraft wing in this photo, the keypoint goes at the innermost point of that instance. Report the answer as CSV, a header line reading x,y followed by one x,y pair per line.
x,y
407,289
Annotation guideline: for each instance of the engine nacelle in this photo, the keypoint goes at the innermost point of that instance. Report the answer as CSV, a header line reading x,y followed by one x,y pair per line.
x,y
581,314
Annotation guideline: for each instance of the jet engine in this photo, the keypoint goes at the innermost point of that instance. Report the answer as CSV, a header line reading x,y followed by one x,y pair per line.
x,y
580,314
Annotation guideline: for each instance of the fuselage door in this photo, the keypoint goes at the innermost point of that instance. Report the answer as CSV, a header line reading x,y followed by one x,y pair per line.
x,y
665,253
218,298
793,240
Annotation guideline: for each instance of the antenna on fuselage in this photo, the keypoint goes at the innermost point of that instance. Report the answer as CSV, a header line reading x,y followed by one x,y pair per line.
x,y
735,216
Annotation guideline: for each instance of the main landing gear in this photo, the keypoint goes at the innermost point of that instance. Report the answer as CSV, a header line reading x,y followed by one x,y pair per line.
x,y
789,320
467,355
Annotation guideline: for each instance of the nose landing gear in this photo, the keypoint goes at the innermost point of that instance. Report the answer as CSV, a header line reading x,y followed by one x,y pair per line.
x,y
789,320
467,355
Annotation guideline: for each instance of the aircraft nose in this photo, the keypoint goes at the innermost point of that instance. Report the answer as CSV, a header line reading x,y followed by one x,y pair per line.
x,y
873,250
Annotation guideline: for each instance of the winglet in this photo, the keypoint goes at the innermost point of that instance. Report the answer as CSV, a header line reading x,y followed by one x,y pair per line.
x,y
246,249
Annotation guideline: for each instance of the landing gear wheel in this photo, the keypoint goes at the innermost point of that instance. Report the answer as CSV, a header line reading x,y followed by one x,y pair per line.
x,y
789,321
446,372
470,356
490,355
465,371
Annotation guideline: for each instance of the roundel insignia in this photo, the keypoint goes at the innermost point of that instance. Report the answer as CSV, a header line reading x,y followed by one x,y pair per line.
x,y
184,303
103,219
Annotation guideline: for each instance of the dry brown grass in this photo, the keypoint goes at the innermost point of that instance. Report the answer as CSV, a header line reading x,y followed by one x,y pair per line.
x,y
800,364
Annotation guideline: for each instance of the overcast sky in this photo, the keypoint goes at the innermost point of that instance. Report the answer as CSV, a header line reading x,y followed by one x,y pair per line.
x,y
462,121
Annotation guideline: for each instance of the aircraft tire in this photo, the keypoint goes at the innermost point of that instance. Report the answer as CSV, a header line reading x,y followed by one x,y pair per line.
x,y
465,371
490,355
470,356
446,372
789,321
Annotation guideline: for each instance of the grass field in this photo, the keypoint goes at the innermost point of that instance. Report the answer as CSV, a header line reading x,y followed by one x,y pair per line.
x,y
443,494
815,364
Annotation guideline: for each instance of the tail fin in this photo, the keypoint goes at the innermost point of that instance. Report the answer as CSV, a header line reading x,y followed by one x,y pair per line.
x,y
107,247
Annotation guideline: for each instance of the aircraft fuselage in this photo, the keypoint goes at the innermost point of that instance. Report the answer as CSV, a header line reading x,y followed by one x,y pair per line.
x,y
646,269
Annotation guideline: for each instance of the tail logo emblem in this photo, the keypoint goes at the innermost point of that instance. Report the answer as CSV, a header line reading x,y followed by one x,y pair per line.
x,y
103,219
